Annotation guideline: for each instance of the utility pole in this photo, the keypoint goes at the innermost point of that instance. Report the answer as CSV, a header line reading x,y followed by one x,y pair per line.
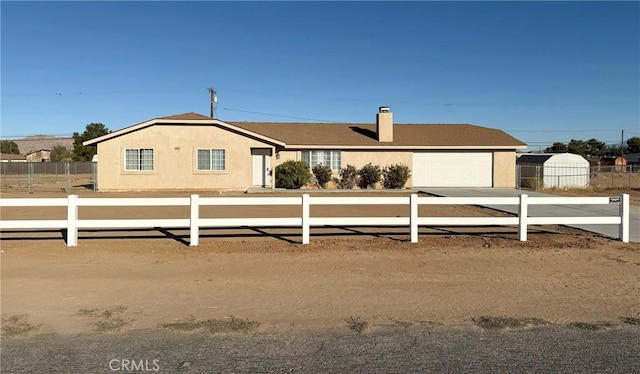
x,y
622,144
214,99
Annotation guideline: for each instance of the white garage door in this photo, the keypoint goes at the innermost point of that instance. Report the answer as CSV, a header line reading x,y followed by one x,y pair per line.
x,y
459,169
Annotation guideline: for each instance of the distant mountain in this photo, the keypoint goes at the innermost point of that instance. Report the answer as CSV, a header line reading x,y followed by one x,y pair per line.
x,y
37,142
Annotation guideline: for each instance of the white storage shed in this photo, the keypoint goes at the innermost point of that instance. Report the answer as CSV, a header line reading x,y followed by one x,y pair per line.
x,y
555,170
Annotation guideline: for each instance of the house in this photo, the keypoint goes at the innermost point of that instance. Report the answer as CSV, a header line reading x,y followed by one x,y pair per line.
x,y
194,152
41,155
619,163
553,170
7,157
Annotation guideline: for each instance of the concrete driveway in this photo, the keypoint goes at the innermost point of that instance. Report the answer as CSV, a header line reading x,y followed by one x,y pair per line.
x,y
550,210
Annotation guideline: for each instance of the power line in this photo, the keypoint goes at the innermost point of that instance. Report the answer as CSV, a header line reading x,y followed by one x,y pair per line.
x,y
554,131
142,91
29,137
279,115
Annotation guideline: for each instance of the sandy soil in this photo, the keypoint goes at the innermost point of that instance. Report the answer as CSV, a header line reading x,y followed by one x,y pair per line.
x,y
142,279
559,275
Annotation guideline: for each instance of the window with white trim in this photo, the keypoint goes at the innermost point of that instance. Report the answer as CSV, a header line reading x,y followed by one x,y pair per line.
x,y
211,160
327,158
138,159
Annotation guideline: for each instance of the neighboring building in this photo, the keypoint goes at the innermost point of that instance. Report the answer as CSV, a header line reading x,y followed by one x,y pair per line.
x,y
193,152
551,170
619,163
42,155
633,159
6,157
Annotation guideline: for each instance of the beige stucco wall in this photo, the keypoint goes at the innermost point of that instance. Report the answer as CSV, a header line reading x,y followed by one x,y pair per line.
x,y
39,156
380,158
504,169
175,159
283,156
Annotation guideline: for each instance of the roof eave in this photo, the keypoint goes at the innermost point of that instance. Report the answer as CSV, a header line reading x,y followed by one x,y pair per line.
x,y
161,121
403,147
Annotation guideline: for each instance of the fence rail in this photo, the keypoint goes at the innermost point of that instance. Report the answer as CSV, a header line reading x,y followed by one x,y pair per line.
x,y
304,220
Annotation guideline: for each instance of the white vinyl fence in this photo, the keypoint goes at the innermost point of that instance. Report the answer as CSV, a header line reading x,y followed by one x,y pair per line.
x,y
304,220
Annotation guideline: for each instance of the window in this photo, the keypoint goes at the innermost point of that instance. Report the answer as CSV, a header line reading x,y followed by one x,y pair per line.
x,y
138,159
211,159
327,158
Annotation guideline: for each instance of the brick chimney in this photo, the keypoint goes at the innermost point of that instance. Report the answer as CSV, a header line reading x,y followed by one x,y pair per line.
x,y
384,124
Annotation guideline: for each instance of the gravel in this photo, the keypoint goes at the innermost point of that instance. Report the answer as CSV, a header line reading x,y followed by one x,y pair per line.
x,y
392,350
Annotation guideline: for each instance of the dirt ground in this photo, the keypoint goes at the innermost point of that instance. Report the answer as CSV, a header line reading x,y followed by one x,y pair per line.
x,y
560,276
117,281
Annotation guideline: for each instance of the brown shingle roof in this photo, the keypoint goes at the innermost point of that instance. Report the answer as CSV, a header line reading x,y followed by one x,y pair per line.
x,y
405,135
12,157
347,135
187,116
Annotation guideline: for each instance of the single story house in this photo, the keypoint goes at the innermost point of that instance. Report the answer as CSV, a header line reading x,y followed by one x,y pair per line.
x,y
41,155
8,157
551,170
194,152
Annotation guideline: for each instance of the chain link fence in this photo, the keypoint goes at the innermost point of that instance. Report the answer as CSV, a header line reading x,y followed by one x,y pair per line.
x,y
540,177
69,177
73,177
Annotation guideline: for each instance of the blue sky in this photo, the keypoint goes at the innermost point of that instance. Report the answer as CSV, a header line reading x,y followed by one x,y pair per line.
x,y
542,71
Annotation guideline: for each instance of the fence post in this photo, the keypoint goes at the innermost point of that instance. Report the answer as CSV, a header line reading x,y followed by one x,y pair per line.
x,y
94,171
67,172
523,212
612,184
194,232
30,178
305,219
413,220
72,220
624,218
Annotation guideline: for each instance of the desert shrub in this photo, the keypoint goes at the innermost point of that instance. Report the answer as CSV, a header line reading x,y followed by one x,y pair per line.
x,y
348,178
369,176
532,183
213,326
322,174
292,174
356,324
395,176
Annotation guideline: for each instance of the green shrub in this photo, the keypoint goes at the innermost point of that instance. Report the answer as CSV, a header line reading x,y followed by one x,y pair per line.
x,y
395,176
292,174
322,174
369,176
348,178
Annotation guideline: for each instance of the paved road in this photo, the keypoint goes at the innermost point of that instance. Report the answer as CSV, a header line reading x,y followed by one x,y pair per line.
x,y
550,210
415,350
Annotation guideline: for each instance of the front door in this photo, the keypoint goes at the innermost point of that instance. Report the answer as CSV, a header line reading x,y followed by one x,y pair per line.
x,y
261,166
